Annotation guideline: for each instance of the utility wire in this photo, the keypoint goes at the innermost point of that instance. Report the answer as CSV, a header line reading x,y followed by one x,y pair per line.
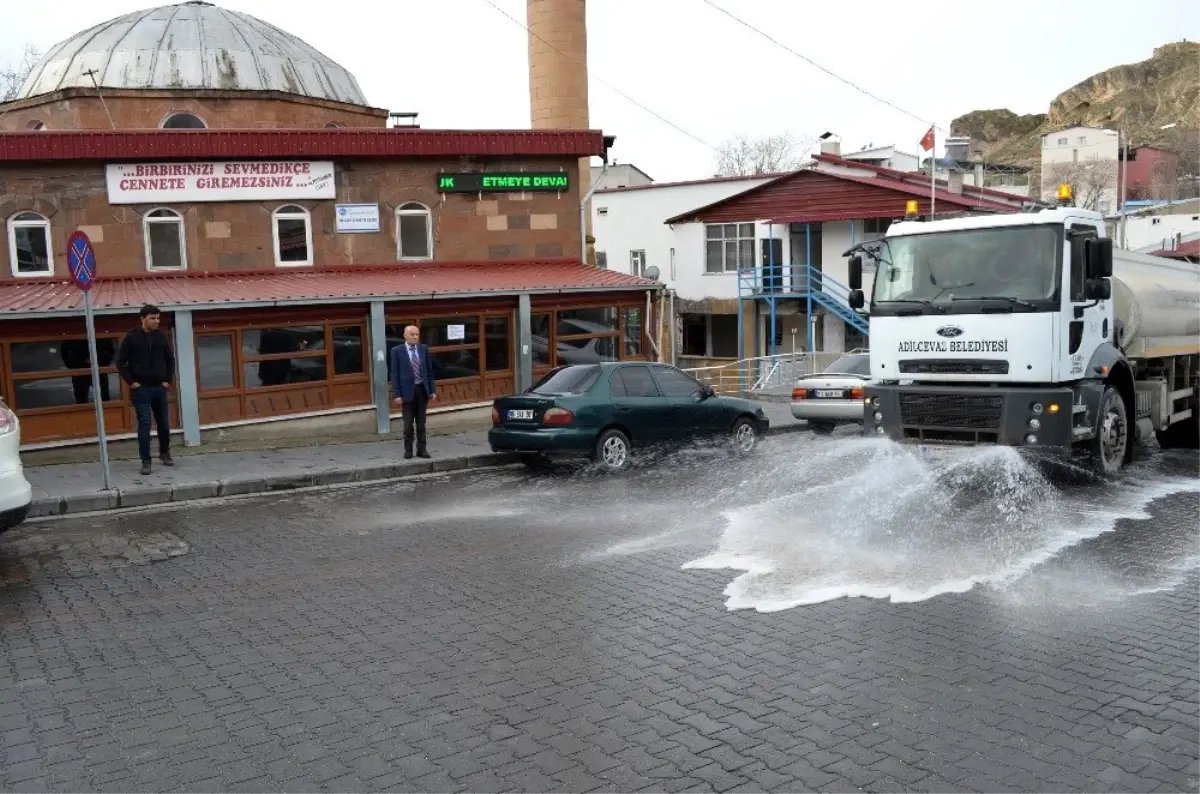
x,y
816,65
603,82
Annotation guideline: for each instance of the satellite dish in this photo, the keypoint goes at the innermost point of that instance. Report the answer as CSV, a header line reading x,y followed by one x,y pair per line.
x,y
652,272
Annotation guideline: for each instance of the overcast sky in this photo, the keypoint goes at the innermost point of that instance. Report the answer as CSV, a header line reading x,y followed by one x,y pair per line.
x,y
461,63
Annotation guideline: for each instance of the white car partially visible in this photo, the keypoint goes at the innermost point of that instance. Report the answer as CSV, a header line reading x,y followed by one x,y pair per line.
x,y
834,396
15,491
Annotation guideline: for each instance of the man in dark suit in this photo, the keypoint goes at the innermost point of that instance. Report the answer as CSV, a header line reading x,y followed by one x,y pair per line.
x,y
414,387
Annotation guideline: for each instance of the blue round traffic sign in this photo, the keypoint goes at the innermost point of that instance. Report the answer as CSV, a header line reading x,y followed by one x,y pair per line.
x,y
81,260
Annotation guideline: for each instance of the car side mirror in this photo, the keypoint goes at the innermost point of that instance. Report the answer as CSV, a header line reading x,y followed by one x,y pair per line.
x,y
856,271
706,391
856,299
1098,257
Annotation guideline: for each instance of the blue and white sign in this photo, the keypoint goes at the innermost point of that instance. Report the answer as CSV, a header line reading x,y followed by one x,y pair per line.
x,y
357,218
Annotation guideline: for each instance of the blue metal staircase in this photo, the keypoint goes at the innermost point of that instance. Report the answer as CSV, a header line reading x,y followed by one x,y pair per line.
x,y
772,283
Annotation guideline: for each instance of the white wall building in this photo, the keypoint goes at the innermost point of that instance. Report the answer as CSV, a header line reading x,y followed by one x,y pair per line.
x,y
619,175
1159,227
1088,158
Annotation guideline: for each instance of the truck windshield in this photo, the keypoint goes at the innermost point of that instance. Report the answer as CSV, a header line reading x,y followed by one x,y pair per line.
x,y
1019,262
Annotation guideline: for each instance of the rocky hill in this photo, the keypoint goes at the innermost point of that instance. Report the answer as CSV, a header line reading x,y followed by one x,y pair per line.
x,y
1139,98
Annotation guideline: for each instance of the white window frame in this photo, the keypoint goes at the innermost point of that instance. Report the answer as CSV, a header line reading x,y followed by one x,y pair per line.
x,y
42,223
739,236
408,209
177,218
637,262
292,212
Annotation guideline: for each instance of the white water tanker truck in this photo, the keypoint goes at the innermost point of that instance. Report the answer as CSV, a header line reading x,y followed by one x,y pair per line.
x,y
1029,330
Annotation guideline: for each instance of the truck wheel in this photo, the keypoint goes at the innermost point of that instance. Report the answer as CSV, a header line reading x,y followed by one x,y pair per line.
x,y
821,428
1181,435
1111,443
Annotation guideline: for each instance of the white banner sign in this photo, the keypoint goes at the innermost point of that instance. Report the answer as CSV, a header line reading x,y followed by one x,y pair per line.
x,y
357,218
170,183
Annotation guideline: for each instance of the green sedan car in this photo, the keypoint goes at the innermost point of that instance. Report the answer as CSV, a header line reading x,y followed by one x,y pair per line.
x,y
604,412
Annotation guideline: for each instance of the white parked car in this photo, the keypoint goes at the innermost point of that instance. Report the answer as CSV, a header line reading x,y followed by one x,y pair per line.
x,y
15,492
834,396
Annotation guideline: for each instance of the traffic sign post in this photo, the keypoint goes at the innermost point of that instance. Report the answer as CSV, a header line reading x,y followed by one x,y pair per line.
x,y
81,263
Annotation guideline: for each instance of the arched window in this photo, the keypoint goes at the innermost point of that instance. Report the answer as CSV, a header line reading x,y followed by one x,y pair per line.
x,y
29,245
292,228
334,124
183,121
163,230
35,125
414,232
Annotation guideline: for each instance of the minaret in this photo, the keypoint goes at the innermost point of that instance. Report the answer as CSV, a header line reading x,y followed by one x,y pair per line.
x,y
558,77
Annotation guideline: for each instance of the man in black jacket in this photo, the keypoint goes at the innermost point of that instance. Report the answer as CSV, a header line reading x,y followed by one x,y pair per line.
x,y
147,364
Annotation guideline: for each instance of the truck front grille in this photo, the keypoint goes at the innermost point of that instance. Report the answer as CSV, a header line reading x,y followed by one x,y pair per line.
x,y
965,411
953,366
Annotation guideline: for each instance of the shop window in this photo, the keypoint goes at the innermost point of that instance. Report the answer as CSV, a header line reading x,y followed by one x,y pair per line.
x,y
414,232
164,240
292,228
498,344
597,320
214,362
279,356
183,121
633,332
541,326
29,245
348,350
57,373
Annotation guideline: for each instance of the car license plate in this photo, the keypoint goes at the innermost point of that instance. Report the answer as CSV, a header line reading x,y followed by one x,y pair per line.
x,y
829,394
521,414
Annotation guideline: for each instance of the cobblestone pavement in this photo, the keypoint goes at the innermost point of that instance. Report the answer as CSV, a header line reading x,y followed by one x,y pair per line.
x,y
510,631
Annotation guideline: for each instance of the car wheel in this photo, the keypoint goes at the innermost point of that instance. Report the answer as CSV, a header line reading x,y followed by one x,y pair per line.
x,y
821,428
613,450
745,436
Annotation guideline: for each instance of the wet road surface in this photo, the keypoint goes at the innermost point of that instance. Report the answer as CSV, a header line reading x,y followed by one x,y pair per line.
x,y
669,629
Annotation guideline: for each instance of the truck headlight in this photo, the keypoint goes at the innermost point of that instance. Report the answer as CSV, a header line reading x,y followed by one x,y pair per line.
x,y
1031,439
878,416
879,430
1036,408
1034,424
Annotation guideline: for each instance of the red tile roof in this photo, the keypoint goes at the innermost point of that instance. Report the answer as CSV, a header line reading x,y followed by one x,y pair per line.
x,y
916,178
34,297
114,145
809,196
1181,251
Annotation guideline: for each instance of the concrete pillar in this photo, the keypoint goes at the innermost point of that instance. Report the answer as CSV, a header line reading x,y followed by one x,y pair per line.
x,y
379,373
189,387
558,78
524,337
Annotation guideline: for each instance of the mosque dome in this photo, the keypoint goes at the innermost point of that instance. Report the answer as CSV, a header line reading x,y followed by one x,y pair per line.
x,y
188,47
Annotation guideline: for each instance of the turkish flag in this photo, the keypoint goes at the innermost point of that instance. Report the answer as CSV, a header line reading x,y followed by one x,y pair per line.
x,y
927,141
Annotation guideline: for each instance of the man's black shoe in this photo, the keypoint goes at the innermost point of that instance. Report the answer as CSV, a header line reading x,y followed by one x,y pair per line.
x,y
167,460
407,455
424,454
145,467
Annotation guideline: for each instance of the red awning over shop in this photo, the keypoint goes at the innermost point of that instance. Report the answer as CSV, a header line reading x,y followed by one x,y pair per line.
x,y
46,296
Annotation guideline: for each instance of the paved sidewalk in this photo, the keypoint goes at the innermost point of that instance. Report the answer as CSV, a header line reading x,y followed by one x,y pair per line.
x,y
78,487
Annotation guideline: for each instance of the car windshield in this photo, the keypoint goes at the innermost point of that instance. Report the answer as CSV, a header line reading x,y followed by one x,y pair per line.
x,y
850,365
567,380
1020,263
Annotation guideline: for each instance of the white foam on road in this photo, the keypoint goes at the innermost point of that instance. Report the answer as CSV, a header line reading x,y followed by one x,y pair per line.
x,y
865,518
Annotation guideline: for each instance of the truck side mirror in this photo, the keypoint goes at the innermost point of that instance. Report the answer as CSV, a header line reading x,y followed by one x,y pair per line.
x,y
1098,257
856,299
856,271
1097,289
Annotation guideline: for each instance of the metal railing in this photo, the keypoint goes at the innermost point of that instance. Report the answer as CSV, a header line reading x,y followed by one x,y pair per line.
x,y
765,375
798,281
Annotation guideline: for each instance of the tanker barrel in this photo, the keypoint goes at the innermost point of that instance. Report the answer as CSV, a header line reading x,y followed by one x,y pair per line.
x,y
1155,297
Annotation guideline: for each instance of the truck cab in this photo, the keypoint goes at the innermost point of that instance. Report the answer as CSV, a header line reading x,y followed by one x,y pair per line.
x,y
1001,329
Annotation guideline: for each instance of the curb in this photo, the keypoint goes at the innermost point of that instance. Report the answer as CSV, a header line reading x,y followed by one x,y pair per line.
x,y
186,492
